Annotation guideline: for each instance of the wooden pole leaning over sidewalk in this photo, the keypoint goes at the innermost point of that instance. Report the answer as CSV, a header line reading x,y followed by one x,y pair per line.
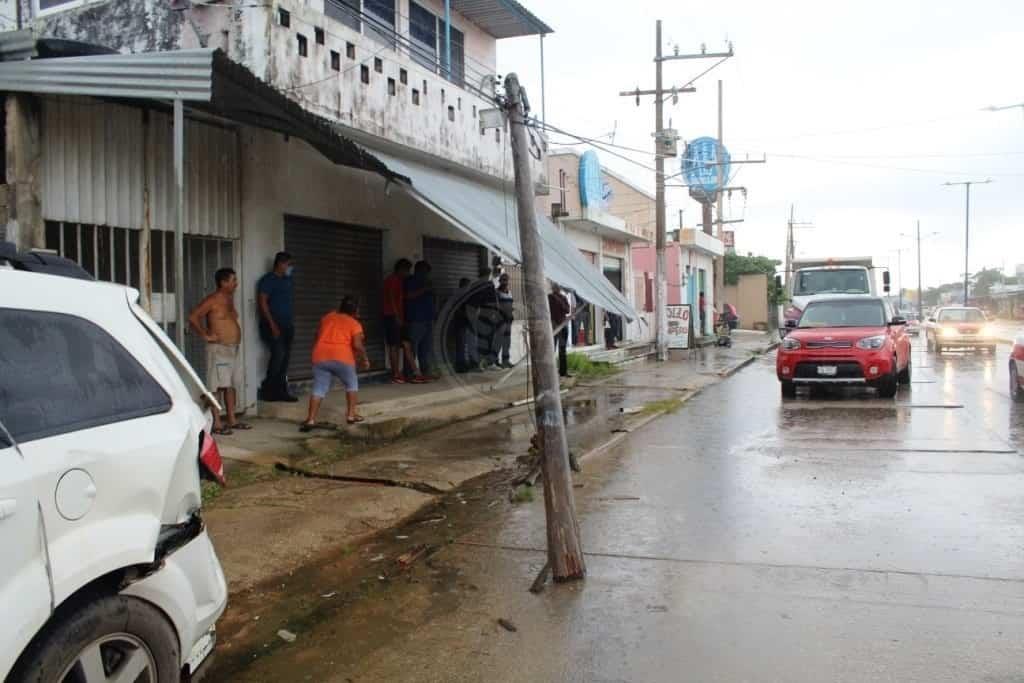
x,y
565,552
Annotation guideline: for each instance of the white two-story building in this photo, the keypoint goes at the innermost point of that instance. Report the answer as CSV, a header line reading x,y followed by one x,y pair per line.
x,y
346,132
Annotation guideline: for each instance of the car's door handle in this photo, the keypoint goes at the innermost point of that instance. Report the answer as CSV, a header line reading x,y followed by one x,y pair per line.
x,y
8,507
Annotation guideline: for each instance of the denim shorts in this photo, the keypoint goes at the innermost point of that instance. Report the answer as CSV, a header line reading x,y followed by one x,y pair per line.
x,y
325,371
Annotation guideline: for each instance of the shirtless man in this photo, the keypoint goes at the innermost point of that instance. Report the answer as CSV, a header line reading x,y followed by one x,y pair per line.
x,y
216,320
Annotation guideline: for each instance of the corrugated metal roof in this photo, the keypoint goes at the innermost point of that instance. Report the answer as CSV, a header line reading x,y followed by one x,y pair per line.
x,y
206,78
181,74
17,45
501,18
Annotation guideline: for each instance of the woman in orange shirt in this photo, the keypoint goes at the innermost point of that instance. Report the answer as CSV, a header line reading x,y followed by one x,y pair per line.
x,y
339,347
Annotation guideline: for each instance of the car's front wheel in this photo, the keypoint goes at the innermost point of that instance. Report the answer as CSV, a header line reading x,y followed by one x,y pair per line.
x,y
888,385
788,389
111,638
1016,390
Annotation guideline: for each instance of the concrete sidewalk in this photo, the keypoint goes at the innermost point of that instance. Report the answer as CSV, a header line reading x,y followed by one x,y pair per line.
x,y
268,523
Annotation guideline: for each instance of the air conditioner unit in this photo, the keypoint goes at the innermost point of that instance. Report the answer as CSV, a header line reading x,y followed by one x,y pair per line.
x,y
557,211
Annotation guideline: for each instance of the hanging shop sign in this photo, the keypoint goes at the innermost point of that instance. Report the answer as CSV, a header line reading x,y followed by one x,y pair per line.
x,y
595,193
703,163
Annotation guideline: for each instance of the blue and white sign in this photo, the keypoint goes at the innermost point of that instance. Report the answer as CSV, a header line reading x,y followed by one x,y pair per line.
x,y
594,192
702,165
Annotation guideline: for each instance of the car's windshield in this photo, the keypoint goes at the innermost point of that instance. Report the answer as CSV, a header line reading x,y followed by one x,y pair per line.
x,y
833,280
868,313
961,315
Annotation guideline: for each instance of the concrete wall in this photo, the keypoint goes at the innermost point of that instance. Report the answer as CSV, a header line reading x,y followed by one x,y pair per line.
x,y
750,297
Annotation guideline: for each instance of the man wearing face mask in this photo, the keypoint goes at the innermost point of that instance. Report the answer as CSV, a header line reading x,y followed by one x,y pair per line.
x,y
277,326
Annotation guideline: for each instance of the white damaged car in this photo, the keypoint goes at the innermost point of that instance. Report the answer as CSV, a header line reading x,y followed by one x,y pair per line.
x,y
108,573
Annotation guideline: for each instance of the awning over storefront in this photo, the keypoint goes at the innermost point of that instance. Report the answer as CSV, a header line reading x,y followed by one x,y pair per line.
x,y
205,79
488,214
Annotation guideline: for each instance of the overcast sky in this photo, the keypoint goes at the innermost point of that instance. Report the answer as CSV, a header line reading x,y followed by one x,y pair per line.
x,y
877,104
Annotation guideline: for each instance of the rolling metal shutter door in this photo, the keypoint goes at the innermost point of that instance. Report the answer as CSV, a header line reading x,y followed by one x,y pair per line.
x,y
450,262
333,260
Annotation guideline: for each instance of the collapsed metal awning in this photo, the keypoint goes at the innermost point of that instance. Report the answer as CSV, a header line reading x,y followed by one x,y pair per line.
x,y
487,213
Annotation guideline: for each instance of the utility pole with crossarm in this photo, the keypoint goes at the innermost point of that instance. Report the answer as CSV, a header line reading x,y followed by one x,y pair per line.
x,y
664,141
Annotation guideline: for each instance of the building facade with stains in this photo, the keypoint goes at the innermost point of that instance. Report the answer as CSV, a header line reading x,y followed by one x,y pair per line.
x,y
359,140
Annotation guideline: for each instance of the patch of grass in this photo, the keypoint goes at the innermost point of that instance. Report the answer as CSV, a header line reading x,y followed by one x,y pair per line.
x,y
584,368
668,405
522,494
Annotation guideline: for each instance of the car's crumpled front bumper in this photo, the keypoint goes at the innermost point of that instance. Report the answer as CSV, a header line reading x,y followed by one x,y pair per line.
x,y
190,589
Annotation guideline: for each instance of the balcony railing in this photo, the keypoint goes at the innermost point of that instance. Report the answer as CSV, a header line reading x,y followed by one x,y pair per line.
x,y
464,71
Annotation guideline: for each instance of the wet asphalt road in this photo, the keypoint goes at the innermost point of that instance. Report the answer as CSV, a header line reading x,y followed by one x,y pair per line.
x,y
747,538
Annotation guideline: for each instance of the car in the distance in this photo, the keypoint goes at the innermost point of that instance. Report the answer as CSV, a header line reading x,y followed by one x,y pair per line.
x,y
959,327
1017,370
845,341
108,572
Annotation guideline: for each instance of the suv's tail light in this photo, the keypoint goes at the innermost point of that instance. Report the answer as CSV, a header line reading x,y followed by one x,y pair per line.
x,y
211,465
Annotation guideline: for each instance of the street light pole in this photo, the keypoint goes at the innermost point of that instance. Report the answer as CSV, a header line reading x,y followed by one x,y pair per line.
x,y
920,292
967,230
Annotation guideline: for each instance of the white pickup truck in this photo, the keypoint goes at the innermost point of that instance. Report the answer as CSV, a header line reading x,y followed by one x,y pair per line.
x,y
812,278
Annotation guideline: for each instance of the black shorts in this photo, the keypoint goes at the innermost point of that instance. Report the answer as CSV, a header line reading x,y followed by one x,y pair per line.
x,y
392,330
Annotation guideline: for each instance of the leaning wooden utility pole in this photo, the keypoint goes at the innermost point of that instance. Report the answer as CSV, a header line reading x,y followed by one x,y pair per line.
x,y
565,552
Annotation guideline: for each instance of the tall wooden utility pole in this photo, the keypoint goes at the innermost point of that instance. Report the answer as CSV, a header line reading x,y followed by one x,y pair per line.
x,y
565,552
661,143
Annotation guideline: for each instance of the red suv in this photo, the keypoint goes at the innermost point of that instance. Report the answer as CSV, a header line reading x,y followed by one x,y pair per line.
x,y
855,340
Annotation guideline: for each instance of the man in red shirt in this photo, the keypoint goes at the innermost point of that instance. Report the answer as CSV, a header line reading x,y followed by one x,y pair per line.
x,y
394,318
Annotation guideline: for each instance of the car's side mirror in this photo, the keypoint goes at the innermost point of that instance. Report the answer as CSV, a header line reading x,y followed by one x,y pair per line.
x,y
898,320
791,324
931,320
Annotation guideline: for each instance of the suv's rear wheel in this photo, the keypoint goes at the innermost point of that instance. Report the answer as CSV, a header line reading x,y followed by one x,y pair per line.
x,y
112,638
904,376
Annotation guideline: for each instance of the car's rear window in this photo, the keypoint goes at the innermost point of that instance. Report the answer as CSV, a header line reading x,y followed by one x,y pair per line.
x,y
869,313
60,373
961,315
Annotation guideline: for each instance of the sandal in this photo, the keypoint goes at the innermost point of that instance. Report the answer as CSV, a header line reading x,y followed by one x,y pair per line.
x,y
240,425
419,379
398,380
223,431
306,427
357,418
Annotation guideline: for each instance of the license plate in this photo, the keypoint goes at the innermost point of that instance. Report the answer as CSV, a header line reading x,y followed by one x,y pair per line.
x,y
827,370
201,650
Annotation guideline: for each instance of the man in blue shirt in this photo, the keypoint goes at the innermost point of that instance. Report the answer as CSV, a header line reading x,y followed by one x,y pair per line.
x,y
419,318
276,296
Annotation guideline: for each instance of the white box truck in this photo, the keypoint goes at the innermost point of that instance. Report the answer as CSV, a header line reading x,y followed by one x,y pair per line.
x,y
811,278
